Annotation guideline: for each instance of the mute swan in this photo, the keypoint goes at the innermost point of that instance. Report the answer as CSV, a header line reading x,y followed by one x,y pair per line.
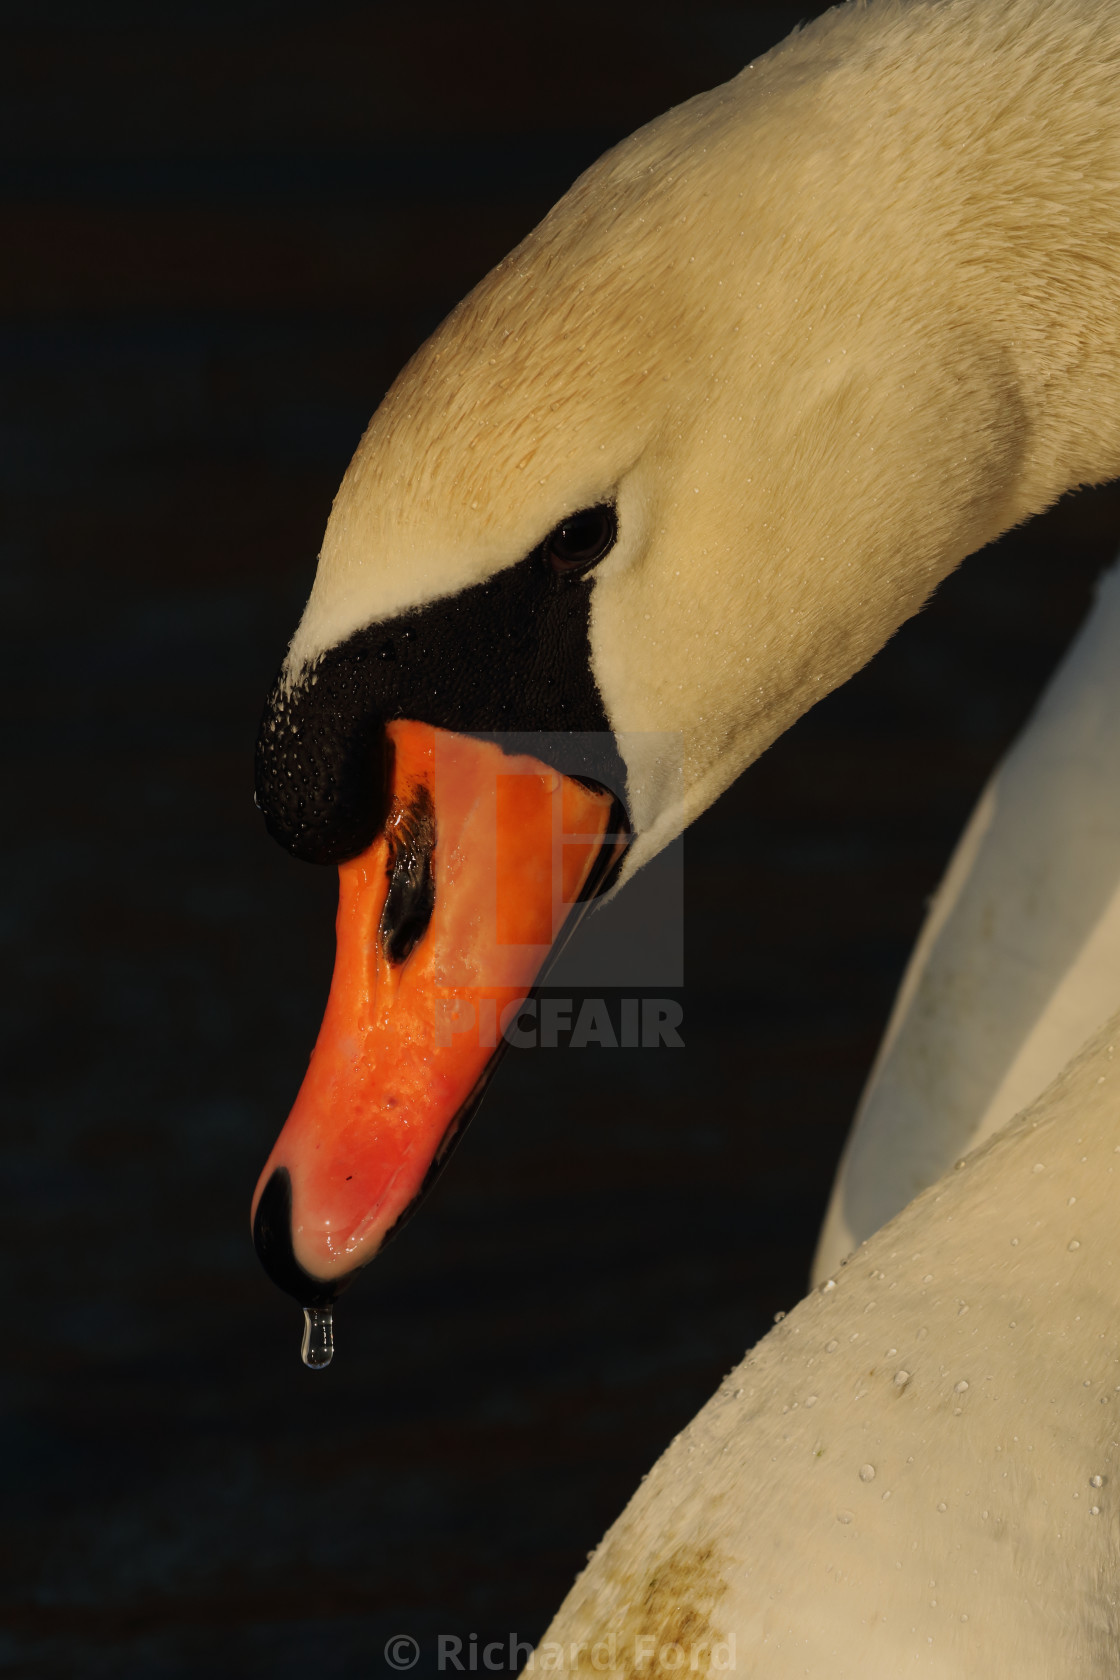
x,y
675,469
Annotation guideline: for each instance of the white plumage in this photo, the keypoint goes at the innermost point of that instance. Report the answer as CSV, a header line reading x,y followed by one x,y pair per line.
x,y
818,335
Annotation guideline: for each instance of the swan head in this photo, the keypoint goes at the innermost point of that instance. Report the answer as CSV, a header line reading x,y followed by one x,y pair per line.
x,y
670,473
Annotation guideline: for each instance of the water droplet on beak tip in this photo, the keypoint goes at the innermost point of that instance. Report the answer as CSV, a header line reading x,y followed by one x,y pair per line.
x,y
317,1349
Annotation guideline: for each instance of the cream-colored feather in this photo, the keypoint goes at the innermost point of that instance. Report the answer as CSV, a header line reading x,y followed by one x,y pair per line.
x,y
917,1471
1020,955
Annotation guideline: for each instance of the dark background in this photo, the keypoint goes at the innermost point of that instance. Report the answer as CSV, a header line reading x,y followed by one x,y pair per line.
x,y
223,229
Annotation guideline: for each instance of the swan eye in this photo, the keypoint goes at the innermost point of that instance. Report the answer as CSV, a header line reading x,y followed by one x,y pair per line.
x,y
582,540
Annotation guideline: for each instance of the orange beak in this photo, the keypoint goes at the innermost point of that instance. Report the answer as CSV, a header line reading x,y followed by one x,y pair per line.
x,y
444,925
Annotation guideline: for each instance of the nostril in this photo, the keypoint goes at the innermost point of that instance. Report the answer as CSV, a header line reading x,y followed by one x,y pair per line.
x,y
411,897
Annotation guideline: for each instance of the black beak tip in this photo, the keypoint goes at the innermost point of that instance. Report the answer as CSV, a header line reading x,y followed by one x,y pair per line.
x,y
272,1239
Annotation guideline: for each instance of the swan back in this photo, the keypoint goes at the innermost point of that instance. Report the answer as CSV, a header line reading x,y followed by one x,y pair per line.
x,y
919,1464
1019,959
